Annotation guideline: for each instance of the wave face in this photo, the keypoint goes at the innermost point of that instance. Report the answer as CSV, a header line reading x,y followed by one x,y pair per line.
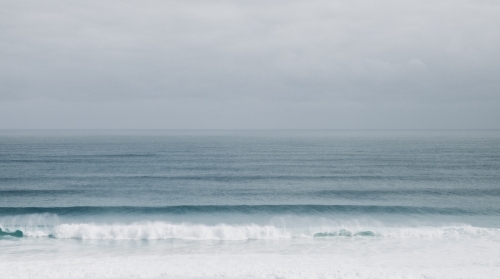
x,y
248,209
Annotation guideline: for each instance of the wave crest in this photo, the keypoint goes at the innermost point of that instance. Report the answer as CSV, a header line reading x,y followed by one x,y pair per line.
x,y
149,230
162,230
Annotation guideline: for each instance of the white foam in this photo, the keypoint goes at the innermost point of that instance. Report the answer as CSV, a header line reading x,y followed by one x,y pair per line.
x,y
335,266
165,230
286,251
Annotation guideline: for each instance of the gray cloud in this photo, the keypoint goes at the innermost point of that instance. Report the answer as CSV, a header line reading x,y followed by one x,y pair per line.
x,y
249,64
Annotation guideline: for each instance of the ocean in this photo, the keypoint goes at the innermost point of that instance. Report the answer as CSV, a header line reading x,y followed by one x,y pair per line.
x,y
250,204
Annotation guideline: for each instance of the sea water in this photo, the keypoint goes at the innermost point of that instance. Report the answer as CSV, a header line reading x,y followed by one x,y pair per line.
x,y
250,204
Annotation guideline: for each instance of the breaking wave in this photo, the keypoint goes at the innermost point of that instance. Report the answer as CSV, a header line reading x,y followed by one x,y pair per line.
x,y
157,230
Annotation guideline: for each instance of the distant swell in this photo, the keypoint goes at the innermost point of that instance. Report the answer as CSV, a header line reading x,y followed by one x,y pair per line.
x,y
348,194
241,209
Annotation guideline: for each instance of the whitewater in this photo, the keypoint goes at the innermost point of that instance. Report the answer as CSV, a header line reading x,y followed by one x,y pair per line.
x,y
250,204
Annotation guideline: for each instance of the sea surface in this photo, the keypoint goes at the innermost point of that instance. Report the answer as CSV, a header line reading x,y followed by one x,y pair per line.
x,y
250,204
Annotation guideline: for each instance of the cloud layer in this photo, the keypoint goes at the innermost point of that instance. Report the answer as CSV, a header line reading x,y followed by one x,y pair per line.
x,y
249,64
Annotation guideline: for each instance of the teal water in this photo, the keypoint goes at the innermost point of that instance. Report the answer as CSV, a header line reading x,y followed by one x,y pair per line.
x,y
285,193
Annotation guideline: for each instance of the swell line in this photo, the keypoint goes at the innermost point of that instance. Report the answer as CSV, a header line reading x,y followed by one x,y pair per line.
x,y
368,193
243,209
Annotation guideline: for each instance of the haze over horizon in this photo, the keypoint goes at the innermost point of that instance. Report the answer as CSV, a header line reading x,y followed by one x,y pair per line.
x,y
249,64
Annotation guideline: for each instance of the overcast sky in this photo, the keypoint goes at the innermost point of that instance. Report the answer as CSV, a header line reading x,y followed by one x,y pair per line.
x,y
355,64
